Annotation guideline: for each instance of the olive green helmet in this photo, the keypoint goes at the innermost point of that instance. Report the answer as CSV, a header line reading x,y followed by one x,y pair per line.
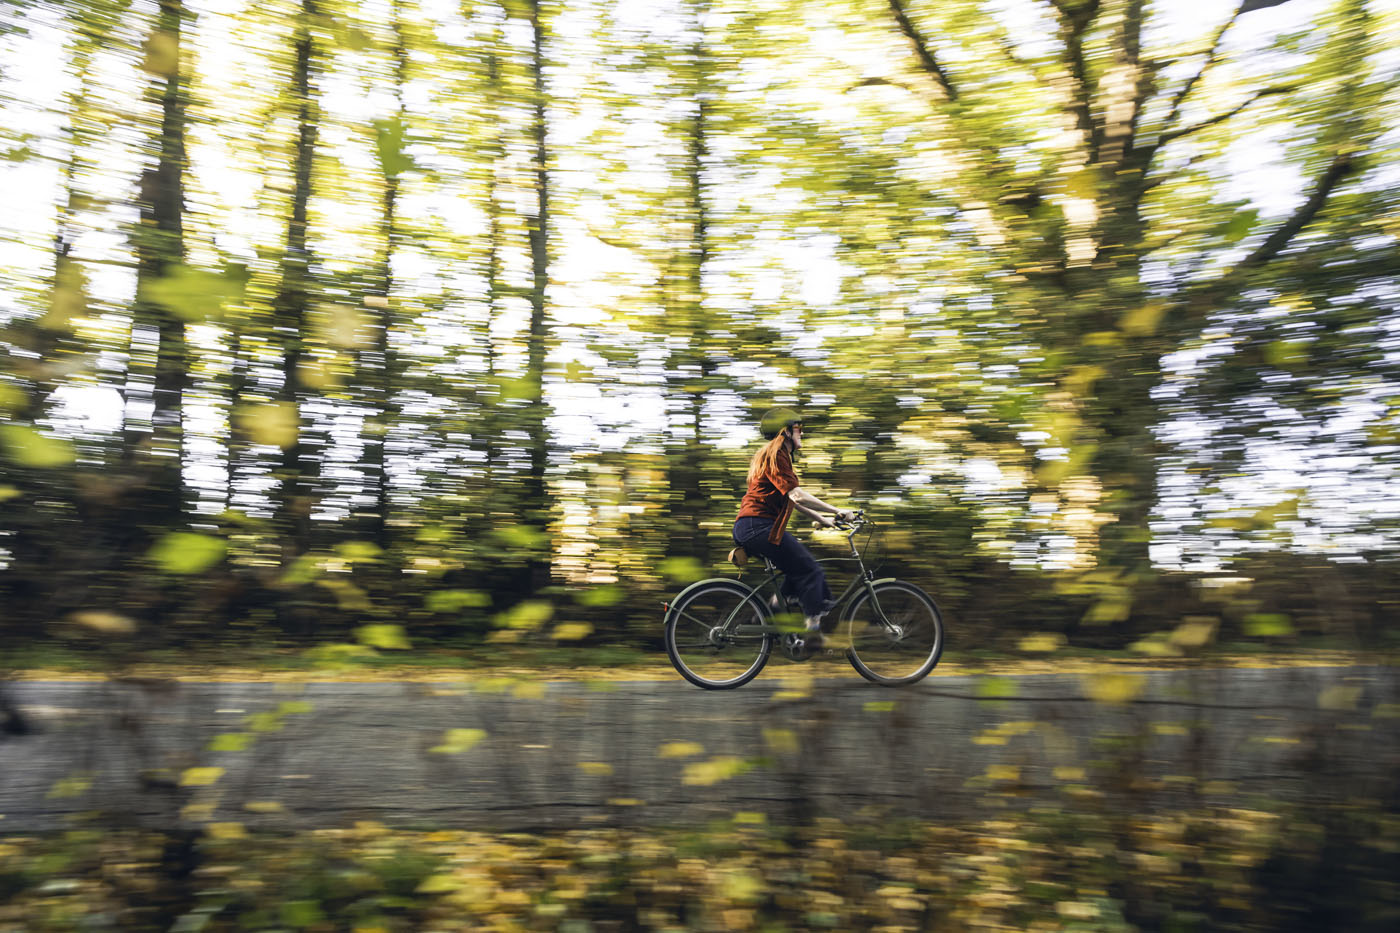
x,y
776,420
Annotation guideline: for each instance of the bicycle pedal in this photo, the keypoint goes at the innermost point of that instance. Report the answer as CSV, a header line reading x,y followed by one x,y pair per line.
x,y
795,647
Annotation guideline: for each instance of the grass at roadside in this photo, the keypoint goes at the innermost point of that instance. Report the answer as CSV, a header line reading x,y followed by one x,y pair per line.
x,y
57,661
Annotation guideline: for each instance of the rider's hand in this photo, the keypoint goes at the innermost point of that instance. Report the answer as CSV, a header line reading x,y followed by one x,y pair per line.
x,y
823,521
845,516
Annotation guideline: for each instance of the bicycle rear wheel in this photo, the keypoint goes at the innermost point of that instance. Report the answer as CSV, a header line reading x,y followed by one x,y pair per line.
x,y
900,655
700,637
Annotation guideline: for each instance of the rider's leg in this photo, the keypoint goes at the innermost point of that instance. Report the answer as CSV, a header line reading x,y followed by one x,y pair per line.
x,y
805,579
751,533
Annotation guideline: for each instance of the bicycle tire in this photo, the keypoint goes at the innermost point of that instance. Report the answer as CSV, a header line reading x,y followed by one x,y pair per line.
x,y
690,620
883,659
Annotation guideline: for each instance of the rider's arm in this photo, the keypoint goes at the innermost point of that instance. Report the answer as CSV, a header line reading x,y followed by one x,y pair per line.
x,y
811,506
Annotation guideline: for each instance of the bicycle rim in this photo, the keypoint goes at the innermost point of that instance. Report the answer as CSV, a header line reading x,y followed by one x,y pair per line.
x,y
894,658
701,651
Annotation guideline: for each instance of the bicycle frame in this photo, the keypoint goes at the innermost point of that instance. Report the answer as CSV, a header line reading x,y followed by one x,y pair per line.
x,y
863,577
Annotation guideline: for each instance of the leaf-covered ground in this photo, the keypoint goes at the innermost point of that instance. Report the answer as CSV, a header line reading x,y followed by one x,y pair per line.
x,y
1212,869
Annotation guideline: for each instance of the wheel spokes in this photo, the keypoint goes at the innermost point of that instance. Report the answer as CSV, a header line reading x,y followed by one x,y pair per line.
x,y
897,640
701,640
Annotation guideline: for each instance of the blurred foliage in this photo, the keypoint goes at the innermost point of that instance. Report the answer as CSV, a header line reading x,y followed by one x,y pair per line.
x,y
320,318
1050,869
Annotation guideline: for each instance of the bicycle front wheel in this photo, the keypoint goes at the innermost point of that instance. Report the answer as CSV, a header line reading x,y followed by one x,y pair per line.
x,y
702,638
897,639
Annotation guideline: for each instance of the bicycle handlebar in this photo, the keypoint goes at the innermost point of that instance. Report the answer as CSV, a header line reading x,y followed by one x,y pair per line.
x,y
855,524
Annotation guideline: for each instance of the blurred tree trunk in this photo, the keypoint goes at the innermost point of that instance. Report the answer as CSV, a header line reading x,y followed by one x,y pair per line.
x,y
300,465
380,370
40,539
1118,410
536,505
158,333
489,416
691,372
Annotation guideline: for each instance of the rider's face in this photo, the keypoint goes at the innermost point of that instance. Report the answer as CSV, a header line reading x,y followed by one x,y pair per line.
x,y
795,432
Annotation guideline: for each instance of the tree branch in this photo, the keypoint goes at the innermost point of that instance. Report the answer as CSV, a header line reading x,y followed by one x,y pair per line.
x,y
1246,6
1200,298
877,82
1186,88
921,49
1341,166
615,242
1151,183
1073,24
1220,117
1008,49
1249,6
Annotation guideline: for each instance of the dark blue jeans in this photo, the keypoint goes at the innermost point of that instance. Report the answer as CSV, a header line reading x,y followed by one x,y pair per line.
x,y
803,578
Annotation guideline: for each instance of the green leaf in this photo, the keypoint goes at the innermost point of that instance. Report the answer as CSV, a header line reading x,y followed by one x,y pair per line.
x,y
995,688
530,614
231,742
390,637
1286,354
433,534
456,600
1113,688
1042,642
439,884
184,552
1267,625
352,37
1239,225
456,741
521,537
272,424
69,298
608,594
302,914
681,569
27,446
304,569
389,143
72,786
162,54
193,294
342,653
1143,320
359,551
265,722
572,631
12,398
719,768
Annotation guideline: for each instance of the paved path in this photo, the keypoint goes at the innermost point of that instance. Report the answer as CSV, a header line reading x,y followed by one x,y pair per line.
x,y
535,755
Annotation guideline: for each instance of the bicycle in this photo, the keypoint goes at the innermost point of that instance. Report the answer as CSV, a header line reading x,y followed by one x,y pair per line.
x,y
720,631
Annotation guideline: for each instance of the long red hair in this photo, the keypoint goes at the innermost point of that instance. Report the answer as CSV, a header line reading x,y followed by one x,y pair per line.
x,y
765,459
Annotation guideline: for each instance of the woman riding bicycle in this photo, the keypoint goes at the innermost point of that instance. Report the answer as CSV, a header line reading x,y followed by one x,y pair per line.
x,y
761,526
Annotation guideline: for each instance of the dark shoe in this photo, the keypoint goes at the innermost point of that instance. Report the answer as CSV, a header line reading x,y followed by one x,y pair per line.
x,y
793,647
801,647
